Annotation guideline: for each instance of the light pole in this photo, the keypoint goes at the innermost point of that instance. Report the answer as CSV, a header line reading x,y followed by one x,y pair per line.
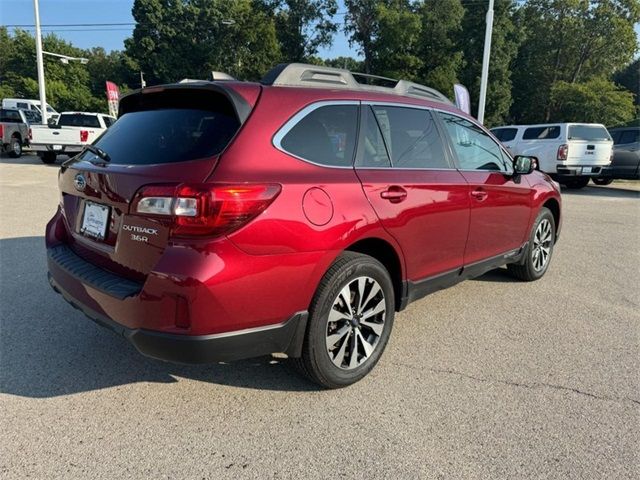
x,y
43,95
485,63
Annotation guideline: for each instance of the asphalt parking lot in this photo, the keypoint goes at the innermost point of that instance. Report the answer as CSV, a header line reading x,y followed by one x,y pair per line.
x,y
493,378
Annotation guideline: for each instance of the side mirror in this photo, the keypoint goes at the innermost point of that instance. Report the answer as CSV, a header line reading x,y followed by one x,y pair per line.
x,y
523,165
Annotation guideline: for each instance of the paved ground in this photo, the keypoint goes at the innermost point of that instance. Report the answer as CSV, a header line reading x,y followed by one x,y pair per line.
x,y
490,379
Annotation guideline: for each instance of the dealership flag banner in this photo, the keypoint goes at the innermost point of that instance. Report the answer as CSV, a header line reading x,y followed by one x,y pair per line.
x,y
113,94
463,101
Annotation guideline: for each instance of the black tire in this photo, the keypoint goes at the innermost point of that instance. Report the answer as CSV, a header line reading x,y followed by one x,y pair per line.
x,y
48,157
602,181
527,270
315,361
577,183
15,147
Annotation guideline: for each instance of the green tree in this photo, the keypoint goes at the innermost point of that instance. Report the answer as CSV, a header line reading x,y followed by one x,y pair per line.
x,y
569,41
303,26
441,24
504,47
361,24
629,78
175,39
597,101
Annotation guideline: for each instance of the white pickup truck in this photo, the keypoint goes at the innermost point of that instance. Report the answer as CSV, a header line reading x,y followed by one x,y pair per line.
x,y
572,153
69,135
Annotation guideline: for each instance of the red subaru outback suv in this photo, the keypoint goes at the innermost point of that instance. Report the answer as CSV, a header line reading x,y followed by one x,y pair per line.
x,y
224,220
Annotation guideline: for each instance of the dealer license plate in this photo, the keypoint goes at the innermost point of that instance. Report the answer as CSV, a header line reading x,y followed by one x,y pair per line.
x,y
95,220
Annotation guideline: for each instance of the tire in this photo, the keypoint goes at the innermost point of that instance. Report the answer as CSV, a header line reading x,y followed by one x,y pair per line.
x,y
577,183
602,181
333,365
541,240
15,147
48,157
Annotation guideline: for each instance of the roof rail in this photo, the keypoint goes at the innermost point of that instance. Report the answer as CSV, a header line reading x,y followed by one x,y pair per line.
x,y
303,75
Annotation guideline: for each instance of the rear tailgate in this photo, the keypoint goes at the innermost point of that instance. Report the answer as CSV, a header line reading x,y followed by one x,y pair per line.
x,y
46,135
164,137
589,144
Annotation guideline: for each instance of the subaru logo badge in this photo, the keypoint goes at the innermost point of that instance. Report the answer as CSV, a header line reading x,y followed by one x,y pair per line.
x,y
79,182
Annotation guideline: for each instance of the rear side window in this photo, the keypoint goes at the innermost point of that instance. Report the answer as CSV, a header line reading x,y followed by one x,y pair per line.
x,y
372,152
588,132
108,121
10,116
627,136
78,120
24,106
541,133
474,148
326,136
505,134
167,135
411,137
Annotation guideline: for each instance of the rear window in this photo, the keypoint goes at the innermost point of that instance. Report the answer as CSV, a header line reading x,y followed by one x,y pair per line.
x,y
10,116
505,134
167,135
588,132
78,120
541,133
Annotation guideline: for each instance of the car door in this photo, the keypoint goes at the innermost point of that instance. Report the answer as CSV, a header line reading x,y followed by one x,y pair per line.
x,y
500,202
626,153
418,195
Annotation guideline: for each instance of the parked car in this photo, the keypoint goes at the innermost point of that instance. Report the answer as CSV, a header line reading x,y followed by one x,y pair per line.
x,y
224,220
572,153
14,131
69,135
626,156
32,106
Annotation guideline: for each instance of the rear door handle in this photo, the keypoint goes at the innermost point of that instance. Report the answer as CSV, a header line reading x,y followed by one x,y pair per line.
x,y
479,194
394,194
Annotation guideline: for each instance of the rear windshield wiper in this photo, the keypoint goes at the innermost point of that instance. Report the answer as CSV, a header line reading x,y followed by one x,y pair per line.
x,y
98,152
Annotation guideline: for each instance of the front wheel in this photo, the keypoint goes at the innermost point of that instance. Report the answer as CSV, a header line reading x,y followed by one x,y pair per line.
x,y
350,321
539,249
602,181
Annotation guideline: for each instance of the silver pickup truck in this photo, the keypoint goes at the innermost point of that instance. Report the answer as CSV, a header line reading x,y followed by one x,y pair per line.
x,y
69,135
14,131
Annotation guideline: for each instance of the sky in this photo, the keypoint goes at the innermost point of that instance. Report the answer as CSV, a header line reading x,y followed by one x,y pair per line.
x,y
20,12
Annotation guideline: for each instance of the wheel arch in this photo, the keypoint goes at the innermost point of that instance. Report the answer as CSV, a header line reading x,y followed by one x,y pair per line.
x,y
386,254
554,206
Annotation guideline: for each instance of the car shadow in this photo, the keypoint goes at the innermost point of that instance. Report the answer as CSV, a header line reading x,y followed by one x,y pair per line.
x,y
499,275
603,191
49,349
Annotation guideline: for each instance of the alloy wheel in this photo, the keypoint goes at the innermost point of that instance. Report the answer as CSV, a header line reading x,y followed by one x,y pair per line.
x,y
355,323
542,245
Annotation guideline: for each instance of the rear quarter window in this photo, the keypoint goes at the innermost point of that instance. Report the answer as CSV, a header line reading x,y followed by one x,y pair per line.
x,y
542,133
588,133
326,136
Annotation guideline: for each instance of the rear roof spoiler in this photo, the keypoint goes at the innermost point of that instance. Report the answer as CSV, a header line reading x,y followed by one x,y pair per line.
x,y
240,105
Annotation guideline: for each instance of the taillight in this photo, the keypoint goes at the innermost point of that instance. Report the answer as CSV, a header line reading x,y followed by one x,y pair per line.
x,y
204,209
30,134
563,151
84,135
2,130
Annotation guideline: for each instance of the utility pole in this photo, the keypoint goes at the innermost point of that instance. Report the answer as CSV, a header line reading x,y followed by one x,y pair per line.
x,y
41,86
485,63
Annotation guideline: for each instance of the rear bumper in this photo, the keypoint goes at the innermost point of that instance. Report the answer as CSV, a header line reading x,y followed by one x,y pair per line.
x,y
572,171
614,172
286,337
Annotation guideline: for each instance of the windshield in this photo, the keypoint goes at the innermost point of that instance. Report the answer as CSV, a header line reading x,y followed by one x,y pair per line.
x,y
588,132
166,136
